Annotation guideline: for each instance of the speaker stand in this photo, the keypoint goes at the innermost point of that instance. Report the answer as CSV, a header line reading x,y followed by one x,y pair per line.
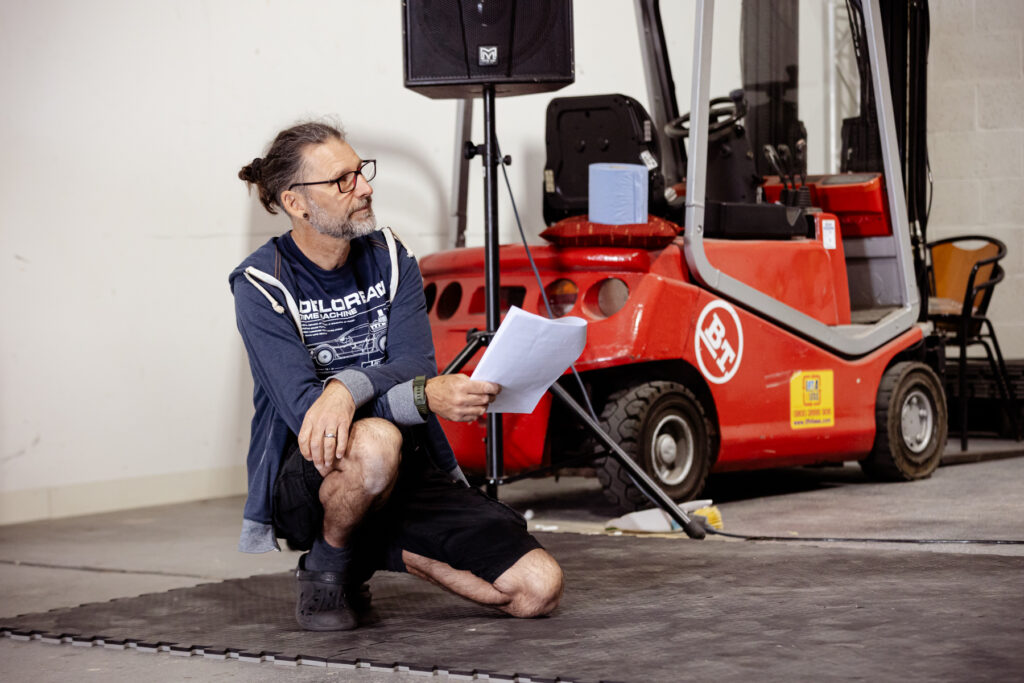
x,y
492,285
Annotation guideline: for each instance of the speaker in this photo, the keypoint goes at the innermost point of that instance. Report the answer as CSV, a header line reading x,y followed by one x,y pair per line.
x,y
453,47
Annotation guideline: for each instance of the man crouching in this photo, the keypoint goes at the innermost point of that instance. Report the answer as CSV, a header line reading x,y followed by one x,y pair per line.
x,y
347,459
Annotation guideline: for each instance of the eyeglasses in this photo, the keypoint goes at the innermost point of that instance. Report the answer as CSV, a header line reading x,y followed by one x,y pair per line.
x,y
346,182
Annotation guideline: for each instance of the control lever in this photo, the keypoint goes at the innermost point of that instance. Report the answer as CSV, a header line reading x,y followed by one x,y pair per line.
x,y
801,160
773,158
787,159
739,100
803,195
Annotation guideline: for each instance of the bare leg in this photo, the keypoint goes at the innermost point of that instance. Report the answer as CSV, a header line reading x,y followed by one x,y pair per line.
x,y
365,476
532,587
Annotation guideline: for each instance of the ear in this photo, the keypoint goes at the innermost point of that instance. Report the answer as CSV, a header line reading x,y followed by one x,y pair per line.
x,y
293,203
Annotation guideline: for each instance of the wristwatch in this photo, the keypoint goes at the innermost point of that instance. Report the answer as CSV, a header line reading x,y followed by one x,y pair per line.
x,y
419,395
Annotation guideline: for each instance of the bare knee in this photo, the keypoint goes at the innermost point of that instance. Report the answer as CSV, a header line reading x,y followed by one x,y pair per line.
x,y
540,598
375,448
534,583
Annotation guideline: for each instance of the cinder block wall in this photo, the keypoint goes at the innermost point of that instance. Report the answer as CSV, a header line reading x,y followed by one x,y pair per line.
x,y
976,139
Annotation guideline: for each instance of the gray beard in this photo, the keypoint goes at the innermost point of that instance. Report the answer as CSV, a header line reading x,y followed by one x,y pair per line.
x,y
347,228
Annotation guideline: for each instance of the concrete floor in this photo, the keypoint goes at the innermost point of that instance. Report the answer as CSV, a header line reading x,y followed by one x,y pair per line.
x,y
62,563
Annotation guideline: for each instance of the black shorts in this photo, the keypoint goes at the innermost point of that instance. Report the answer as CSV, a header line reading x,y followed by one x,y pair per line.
x,y
427,514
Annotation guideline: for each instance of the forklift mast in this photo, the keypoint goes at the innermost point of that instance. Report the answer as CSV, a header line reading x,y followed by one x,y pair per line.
x,y
769,59
895,147
661,89
906,27
893,252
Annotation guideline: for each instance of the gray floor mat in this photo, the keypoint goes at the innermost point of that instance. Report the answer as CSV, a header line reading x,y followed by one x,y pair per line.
x,y
634,609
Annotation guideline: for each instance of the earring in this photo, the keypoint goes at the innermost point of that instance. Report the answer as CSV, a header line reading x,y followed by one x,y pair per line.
x,y
306,216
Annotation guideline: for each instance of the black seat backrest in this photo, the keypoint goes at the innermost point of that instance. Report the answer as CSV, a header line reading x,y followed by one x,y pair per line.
x,y
596,129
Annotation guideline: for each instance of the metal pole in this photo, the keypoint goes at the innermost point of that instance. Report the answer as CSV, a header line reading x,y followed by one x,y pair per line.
x,y
830,64
891,155
697,163
460,171
495,457
661,89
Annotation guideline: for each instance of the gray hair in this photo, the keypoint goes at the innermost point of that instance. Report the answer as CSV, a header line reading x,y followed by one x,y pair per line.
x,y
283,163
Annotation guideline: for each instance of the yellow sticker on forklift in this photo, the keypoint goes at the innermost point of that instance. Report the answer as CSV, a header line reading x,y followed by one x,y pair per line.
x,y
811,400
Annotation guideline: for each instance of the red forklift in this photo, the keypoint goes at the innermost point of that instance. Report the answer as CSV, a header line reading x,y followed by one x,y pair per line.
x,y
763,316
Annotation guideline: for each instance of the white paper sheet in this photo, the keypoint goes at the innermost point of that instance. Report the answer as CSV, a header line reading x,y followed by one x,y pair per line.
x,y
527,354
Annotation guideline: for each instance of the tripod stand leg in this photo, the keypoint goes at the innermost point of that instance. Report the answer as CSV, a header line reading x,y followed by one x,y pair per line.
x,y
463,357
692,528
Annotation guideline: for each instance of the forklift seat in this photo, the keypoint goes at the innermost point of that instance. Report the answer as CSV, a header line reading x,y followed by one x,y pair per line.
x,y
580,131
617,129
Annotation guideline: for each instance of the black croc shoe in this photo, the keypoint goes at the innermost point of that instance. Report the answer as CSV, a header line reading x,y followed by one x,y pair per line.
x,y
360,600
322,605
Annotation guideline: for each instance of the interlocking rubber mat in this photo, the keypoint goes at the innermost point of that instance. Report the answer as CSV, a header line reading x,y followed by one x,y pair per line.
x,y
635,609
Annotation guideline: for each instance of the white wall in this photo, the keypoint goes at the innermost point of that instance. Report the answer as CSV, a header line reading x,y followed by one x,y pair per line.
x,y
122,377
123,381
976,139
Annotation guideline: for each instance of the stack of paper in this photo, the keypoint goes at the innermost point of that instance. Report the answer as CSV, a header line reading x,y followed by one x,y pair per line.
x,y
527,355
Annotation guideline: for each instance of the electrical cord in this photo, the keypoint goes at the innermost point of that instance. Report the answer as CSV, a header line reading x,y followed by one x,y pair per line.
x,y
536,274
828,539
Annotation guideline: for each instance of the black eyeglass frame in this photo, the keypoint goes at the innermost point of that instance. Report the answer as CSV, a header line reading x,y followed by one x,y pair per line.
x,y
355,177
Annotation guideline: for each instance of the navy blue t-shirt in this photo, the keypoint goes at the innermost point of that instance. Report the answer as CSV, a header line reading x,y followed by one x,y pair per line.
x,y
343,312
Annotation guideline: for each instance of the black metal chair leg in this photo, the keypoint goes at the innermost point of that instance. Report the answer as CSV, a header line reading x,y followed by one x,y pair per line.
x,y
1005,388
963,389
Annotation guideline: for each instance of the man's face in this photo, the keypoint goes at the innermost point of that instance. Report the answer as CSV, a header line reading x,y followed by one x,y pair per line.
x,y
345,215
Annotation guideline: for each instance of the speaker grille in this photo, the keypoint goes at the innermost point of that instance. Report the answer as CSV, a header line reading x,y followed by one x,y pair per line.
x,y
536,53
436,40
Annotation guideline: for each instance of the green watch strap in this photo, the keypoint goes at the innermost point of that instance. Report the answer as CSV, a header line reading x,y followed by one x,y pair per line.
x,y
419,395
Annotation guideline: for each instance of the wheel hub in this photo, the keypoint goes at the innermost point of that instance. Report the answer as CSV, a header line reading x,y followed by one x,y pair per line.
x,y
666,449
916,421
672,449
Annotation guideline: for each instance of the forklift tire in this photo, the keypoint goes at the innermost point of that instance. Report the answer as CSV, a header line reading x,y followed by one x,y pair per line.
x,y
910,424
663,427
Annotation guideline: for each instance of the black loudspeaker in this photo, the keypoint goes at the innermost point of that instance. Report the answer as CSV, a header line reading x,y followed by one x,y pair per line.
x,y
454,47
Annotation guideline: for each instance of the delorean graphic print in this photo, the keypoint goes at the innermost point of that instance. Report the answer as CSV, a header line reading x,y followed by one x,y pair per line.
x,y
348,331
357,341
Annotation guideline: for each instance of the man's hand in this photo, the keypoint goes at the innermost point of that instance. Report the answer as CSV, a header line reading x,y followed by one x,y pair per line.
x,y
459,398
323,436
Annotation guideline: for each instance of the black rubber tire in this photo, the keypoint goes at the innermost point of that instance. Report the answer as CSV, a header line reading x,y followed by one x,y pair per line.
x,y
630,417
916,388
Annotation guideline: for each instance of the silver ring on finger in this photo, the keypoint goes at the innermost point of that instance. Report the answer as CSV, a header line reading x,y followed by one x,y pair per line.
x,y
330,436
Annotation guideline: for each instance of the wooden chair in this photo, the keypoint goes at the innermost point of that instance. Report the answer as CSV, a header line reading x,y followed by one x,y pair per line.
x,y
963,274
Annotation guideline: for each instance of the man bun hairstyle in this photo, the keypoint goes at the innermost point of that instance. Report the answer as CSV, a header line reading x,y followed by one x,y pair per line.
x,y
282,164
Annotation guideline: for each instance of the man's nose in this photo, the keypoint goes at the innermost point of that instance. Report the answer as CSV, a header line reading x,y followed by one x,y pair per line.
x,y
363,187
